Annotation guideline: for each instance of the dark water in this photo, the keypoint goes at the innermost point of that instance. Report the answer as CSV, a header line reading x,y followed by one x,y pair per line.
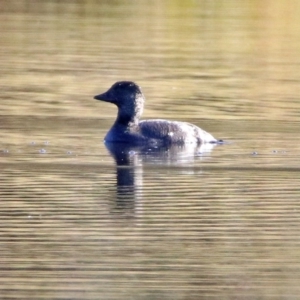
x,y
81,220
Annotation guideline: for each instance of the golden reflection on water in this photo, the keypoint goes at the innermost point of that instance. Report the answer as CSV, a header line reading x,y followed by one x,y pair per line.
x,y
227,233
80,222
216,62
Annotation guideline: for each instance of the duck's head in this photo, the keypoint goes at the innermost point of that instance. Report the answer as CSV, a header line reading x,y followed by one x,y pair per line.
x,y
127,96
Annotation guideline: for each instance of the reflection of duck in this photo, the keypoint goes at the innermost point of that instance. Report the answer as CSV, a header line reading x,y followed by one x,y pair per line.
x,y
139,155
131,160
129,129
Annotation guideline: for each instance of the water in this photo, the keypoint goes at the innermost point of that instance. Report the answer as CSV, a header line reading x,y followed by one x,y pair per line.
x,y
84,221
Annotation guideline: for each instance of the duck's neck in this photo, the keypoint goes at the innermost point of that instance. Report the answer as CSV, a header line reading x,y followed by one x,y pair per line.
x,y
129,114
126,119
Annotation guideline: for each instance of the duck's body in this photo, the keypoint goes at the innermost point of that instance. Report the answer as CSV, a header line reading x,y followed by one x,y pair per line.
x,y
159,131
129,129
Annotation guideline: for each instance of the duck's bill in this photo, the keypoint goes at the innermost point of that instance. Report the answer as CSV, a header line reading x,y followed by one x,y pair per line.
x,y
104,97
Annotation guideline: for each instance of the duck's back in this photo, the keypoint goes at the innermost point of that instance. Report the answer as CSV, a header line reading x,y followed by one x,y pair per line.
x,y
174,132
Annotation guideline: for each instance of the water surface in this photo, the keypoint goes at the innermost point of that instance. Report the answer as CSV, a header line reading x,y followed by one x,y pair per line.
x,y
82,220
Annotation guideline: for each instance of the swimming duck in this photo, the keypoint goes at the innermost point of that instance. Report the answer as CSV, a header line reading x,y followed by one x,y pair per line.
x,y
128,128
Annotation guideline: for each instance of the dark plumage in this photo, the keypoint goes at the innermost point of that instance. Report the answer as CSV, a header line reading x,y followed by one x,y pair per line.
x,y
128,128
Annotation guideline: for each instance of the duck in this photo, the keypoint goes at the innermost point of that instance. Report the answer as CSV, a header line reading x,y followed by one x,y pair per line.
x,y
129,129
